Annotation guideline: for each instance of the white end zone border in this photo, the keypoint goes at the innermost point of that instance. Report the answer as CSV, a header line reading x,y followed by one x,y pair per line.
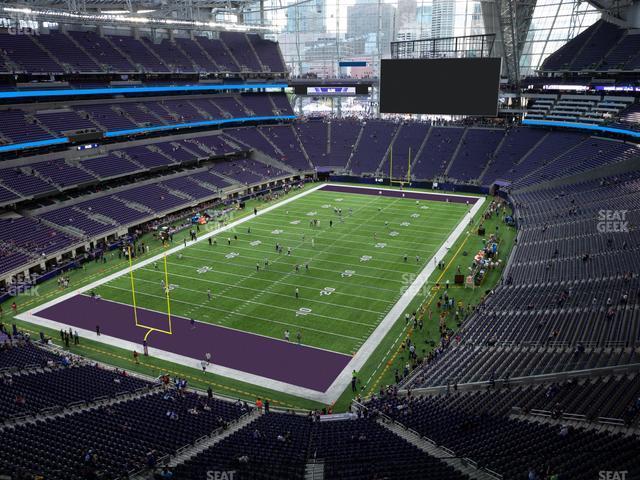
x,y
179,359
342,380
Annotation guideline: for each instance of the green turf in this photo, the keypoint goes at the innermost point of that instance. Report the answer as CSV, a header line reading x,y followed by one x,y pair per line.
x,y
378,370
263,300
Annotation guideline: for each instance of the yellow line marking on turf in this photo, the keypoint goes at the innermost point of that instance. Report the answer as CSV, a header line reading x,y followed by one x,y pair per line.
x,y
116,266
427,305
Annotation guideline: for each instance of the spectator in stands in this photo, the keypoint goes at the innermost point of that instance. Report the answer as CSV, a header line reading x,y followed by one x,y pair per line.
x,y
151,459
20,401
165,474
172,415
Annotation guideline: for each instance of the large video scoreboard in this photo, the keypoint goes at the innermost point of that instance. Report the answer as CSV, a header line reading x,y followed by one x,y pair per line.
x,y
448,86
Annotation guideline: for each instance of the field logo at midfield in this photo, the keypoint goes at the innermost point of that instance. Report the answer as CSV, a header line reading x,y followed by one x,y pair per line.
x,y
348,273
255,243
231,255
204,269
302,311
365,258
327,291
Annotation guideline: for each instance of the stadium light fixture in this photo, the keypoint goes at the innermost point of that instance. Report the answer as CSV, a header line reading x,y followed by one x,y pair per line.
x,y
152,21
126,12
26,11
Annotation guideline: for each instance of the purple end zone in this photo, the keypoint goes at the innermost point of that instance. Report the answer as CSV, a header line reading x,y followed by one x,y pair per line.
x,y
298,365
435,197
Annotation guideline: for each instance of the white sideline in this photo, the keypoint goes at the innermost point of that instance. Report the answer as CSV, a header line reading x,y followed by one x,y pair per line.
x,y
383,328
343,379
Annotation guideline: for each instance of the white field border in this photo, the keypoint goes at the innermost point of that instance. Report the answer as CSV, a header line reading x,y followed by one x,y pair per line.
x,y
343,379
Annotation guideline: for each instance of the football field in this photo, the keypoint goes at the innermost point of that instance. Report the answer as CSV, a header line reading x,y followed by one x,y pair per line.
x,y
324,269
348,275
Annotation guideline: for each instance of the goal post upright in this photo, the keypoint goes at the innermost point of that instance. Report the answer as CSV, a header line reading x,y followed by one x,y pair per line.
x,y
135,302
391,165
166,280
133,288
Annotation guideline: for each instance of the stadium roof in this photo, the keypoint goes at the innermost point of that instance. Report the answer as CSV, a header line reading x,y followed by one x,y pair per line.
x,y
614,8
130,5
200,10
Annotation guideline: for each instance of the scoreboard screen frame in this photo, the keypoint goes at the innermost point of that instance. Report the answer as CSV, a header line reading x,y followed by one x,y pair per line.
x,y
443,86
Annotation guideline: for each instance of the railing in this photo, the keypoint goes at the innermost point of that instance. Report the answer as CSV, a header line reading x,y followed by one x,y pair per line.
x,y
465,460
575,417
473,46
525,380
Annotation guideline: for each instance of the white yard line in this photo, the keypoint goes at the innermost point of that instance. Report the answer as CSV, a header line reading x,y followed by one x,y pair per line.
x,y
344,265
362,355
231,328
171,251
251,302
229,297
357,361
334,254
310,275
240,287
383,233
